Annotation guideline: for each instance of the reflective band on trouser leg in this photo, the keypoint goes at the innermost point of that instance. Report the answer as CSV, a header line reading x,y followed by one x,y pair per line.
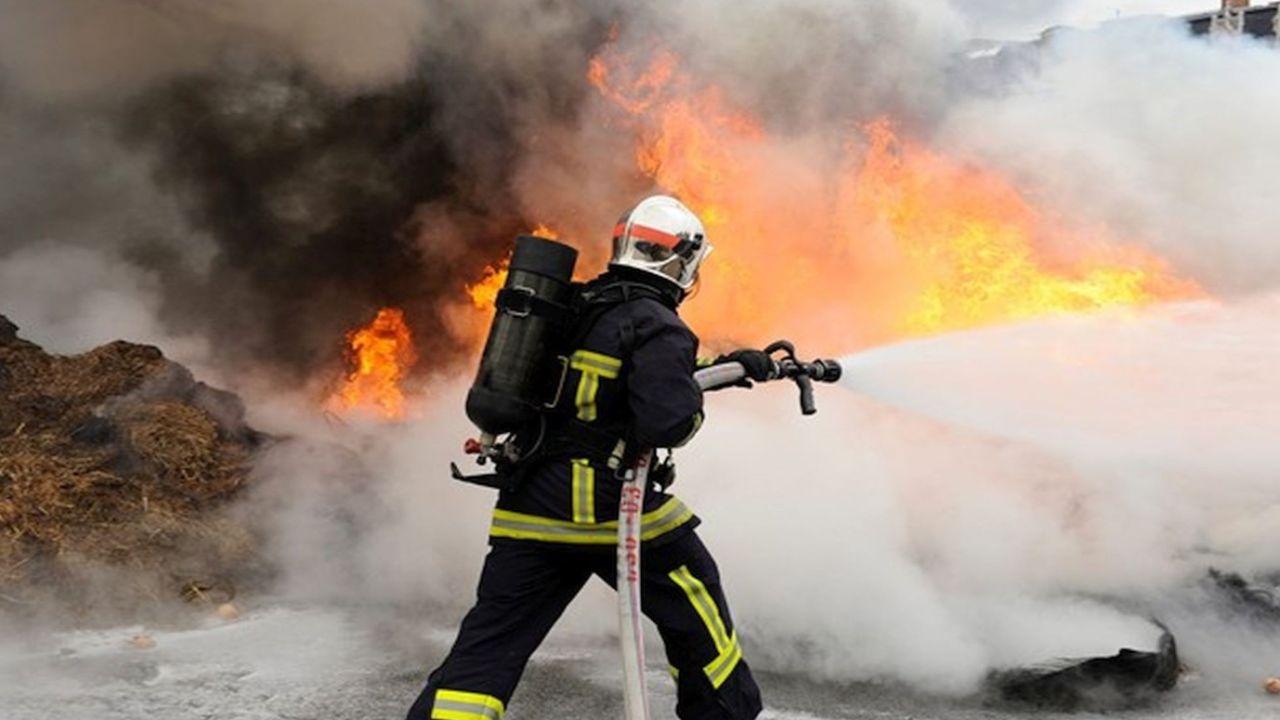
x,y
519,526
721,668
459,705
727,648
593,366
584,491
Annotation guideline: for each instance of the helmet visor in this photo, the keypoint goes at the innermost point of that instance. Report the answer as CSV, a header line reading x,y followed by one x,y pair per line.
x,y
674,256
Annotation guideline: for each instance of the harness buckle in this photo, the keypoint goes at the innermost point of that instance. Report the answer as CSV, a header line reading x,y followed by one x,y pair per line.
x,y
516,301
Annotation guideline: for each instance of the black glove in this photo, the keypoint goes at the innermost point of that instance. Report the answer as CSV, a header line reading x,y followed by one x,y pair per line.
x,y
758,365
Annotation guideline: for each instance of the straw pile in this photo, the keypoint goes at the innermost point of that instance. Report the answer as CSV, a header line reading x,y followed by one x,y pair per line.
x,y
116,460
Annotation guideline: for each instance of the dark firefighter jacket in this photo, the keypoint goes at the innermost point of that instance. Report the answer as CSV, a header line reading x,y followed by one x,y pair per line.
x,y
629,379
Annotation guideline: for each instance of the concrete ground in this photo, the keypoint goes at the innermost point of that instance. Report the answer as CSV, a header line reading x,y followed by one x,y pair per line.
x,y
304,663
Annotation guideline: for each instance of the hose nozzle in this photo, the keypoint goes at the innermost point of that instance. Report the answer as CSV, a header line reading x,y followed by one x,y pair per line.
x,y
827,371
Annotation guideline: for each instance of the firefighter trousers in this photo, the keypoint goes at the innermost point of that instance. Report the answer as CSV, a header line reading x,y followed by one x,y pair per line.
x,y
525,587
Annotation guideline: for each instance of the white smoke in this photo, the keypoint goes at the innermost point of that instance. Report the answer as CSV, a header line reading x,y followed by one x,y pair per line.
x,y
1156,134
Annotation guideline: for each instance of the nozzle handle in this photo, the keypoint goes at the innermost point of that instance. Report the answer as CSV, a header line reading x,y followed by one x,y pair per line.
x,y
807,405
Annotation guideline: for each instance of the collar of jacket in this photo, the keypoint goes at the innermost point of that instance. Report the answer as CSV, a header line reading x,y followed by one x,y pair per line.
x,y
621,284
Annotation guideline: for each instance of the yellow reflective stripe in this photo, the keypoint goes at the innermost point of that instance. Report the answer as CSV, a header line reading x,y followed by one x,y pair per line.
x,y
697,425
675,672
593,366
588,385
706,362
519,526
519,532
704,604
729,652
459,705
721,668
602,365
659,523
584,491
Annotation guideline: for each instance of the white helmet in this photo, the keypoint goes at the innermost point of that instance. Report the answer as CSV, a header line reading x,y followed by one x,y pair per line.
x,y
662,237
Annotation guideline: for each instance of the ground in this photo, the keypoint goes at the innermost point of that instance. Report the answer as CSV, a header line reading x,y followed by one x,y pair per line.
x,y
298,663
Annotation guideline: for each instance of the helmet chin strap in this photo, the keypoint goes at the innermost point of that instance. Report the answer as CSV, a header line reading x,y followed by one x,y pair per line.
x,y
695,287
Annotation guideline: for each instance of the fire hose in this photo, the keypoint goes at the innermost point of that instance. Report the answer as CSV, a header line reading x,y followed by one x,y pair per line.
x,y
630,505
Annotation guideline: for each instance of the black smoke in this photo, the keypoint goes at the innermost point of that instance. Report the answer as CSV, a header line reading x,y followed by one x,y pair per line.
x,y
309,197
304,204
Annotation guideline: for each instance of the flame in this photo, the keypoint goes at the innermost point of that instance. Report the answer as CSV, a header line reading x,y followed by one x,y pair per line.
x,y
883,235
485,291
544,231
380,356
979,247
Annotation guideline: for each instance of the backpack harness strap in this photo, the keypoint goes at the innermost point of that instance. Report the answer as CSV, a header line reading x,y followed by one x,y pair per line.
x,y
573,438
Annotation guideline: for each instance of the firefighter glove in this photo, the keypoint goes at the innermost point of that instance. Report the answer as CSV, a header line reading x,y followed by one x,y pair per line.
x,y
758,365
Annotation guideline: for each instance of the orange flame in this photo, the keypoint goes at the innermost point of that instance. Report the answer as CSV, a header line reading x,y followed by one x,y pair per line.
x,y
544,231
980,250
380,355
881,237
485,291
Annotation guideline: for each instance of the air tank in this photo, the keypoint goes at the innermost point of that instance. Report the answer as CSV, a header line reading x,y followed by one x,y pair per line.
x,y
517,362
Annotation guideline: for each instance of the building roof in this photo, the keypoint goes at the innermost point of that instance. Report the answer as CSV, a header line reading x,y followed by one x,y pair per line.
x,y
1259,21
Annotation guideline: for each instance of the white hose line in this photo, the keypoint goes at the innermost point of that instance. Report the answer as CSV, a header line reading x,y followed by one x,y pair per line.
x,y
630,506
630,629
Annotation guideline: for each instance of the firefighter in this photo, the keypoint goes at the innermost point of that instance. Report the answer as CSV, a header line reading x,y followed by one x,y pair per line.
x,y
629,388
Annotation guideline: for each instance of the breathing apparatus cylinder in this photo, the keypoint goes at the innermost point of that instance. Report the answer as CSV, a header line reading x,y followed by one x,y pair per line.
x,y
531,306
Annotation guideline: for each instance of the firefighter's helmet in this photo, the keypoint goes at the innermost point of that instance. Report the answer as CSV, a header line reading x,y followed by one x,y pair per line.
x,y
662,237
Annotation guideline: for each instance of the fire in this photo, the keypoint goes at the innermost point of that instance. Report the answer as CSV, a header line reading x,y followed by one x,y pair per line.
x,y
380,356
882,236
485,291
979,248
544,231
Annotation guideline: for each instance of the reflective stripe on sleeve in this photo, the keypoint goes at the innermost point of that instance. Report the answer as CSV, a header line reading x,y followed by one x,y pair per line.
x,y
593,366
519,526
460,705
697,425
584,491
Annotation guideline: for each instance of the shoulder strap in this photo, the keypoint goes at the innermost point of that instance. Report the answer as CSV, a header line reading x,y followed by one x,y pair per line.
x,y
594,301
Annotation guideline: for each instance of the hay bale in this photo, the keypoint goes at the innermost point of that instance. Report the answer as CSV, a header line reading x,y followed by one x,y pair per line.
x,y
179,441
107,464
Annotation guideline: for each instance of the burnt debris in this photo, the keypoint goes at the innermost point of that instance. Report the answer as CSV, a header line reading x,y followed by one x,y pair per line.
x,y
1127,679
